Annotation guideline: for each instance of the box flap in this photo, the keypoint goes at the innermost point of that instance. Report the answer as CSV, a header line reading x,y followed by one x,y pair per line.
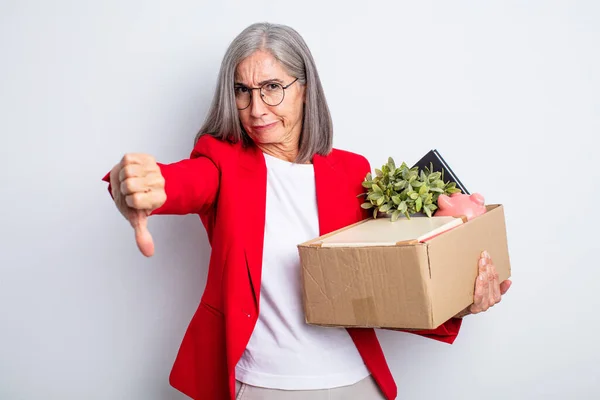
x,y
384,232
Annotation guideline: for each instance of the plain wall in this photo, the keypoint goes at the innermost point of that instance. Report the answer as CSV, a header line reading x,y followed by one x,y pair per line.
x,y
507,91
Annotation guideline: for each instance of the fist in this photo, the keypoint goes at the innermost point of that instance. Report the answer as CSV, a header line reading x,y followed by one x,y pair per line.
x,y
138,188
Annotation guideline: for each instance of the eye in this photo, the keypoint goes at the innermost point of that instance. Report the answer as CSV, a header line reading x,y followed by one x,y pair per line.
x,y
241,90
272,87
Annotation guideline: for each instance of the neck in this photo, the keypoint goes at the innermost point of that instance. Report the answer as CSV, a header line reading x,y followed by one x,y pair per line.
x,y
283,151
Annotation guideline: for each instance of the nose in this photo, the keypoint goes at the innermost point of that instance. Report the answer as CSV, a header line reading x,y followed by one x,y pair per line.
x,y
258,107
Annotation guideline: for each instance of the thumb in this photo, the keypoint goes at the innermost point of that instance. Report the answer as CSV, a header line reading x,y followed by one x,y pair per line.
x,y
139,222
504,286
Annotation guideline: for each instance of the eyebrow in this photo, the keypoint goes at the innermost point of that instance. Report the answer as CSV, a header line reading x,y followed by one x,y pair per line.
x,y
261,83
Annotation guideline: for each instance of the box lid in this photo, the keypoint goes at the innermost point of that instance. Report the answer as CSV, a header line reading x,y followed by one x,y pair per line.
x,y
384,232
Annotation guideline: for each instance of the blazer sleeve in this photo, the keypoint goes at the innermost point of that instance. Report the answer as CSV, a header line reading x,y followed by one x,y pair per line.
x,y
447,332
191,186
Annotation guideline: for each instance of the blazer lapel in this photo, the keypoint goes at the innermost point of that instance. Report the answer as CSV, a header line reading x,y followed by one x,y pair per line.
x,y
253,198
325,178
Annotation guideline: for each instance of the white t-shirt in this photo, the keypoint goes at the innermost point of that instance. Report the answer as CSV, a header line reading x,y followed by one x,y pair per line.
x,y
285,352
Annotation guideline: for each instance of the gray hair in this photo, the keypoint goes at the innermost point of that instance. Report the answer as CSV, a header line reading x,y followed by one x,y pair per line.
x,y
288,47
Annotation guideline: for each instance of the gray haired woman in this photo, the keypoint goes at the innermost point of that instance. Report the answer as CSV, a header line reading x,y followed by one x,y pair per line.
x,y
260,179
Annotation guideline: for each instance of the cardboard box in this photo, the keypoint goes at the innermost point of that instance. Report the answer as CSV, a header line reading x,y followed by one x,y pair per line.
x,y
352,280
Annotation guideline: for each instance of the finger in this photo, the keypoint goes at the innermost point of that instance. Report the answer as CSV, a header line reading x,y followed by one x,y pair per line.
x,y
491,298
132,171
496,295
148,201
486,255
114,180
504,286
479,286
482,263
485,301
134,158
144,184
143,238
135,185
478,297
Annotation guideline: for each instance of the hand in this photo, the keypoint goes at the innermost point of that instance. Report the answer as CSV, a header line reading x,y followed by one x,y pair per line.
x,y
488,289
138,188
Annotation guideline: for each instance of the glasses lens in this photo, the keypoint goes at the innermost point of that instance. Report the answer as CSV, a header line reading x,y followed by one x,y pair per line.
x,y
272,93
242,97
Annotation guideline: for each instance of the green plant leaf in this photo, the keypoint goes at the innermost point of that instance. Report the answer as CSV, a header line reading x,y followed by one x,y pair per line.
x,y
379,201
366,206
367,184
427,210
413,195
378,172
434,176
391,163
385,208
418,204
400,184
395,215
377,189
402,207
423,189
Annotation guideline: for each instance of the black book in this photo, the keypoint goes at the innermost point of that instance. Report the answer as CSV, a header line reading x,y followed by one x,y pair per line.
x,y
439,165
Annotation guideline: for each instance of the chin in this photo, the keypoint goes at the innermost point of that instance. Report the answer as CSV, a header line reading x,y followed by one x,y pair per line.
x,y
265,137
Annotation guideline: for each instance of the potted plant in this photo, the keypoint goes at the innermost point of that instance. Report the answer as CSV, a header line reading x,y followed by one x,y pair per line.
x,y
396,191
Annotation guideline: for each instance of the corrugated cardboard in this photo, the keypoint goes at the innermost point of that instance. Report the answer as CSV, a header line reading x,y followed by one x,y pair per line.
x,y
405,284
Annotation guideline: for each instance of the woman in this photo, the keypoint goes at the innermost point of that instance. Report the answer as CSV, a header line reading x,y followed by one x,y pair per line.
x,y
259,177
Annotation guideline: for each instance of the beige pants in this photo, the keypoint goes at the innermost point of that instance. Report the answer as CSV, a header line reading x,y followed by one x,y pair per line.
x,y
366,389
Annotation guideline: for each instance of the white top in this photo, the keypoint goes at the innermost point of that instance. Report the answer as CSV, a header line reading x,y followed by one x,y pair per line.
x,y
285,352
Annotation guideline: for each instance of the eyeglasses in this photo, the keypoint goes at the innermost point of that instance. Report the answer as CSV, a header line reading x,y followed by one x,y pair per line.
x,y
271,93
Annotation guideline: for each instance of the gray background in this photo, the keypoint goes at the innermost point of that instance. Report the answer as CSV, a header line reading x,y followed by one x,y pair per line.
x,y
506,90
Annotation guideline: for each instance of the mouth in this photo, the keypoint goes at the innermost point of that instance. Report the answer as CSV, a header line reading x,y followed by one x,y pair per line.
x,y
259,128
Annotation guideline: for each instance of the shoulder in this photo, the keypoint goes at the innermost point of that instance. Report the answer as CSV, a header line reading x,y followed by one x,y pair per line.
x,y
350,161
215,149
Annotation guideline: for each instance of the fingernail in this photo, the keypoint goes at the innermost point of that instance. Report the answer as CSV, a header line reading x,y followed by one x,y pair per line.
x,y
486,254
482,262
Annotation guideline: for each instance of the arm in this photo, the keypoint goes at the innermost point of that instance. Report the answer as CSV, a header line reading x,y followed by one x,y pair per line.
x,y
191,186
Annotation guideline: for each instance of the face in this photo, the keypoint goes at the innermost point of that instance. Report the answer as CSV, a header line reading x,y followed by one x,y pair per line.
x,y
265,124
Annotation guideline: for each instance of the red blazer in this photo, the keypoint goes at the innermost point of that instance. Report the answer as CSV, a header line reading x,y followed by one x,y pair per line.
x,y
225,184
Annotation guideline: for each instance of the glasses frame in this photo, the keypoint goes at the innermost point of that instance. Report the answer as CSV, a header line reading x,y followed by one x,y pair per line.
x,y
251,89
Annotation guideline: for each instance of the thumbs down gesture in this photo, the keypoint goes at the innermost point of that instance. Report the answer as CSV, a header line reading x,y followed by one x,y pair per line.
x,y
138,188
